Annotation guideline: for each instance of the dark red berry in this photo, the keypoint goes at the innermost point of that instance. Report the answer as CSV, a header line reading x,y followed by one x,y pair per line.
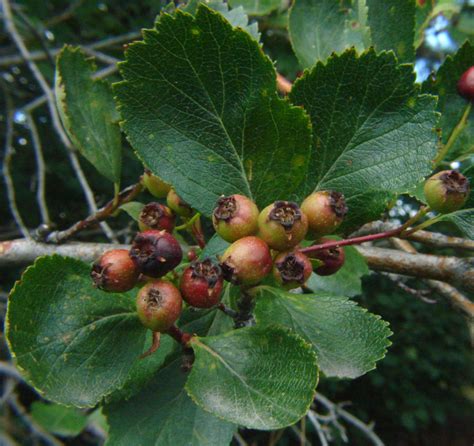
x,y
155,253
156,216
332,258
466,84
115,271
192,256
446,191
177,205
247,261
282,225
235,217
155,185
201,284
159,305
292,269
325,211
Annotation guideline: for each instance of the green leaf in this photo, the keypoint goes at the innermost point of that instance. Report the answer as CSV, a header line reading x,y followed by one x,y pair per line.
x,y
317,28
463,219
347,339
450,104
236,16
469,174
256,7
133,208
214,247
258,378
57,419
72,342
347,281
203,113
392,26
372,133
88,113
163,414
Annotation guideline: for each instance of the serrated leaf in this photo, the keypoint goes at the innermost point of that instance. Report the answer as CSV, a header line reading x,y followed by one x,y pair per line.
x,y
464,221
261,379
133,208
392,26
88,113
372,132
214,247
256,7
347,281
317,28
72,342
163,414
203,113
346,338
60,420
450,104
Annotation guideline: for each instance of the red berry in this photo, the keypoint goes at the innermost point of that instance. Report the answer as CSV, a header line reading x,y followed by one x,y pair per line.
x,y
156,216
201,284
177,205
466,84
192,256
159,305
282,225
446,191
155,253
115,271
247,261
235,217
292,269
325,211
155,185
332,258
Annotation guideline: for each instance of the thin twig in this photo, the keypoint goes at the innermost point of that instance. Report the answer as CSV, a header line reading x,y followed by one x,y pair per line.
x,y
318,427
240,439
419,294
41,169
6,168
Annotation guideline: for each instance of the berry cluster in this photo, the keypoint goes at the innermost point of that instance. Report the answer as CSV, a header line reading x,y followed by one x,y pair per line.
x,y
261,242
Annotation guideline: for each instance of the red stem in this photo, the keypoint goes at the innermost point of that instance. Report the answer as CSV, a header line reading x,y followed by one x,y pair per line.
x,y
179,336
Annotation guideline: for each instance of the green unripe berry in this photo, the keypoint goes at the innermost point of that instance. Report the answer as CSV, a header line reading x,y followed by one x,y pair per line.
x,y
325,211
155,185
282,225
177,205
235,217
446,191
159,305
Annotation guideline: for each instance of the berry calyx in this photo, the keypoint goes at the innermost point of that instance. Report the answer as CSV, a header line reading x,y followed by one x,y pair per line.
x,y
282,225
159,305
446,191
235,217
247,261
201,284
177,205
325,211
333,259
155,253
156,216
292,269
115,271
155,185
466,84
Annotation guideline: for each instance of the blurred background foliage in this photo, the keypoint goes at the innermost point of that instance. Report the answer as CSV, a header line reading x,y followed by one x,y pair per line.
x,y
422,393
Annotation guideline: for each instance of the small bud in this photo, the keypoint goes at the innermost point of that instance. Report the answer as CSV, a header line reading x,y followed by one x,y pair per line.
x,y
247,261
446,191
235,217
292,269
177,205
155,185
325,211
282,225
201,284
114,271
156,216
159,305
155,253
333,259
466,84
